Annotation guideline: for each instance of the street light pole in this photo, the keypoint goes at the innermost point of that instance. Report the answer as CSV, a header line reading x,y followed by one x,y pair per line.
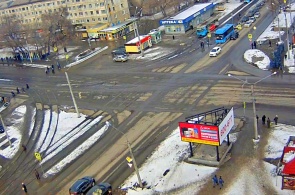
x,y
279,30
136,28
73,97
287,36
131,153
256,136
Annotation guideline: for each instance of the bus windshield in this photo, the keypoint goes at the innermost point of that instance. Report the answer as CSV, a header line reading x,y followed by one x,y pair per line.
x,y
219,37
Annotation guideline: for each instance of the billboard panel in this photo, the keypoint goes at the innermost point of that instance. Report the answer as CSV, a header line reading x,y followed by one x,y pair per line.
x,y
226,125
199,133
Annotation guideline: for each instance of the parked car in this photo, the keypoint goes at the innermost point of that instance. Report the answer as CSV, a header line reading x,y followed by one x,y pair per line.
x,y
215,51
244,19
252,19
257,15
247,24
101,189
82,186
120,58
234,36
119,51
1,129
4,106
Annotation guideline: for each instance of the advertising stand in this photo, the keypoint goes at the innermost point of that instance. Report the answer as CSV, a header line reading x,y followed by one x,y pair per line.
x,y
210,128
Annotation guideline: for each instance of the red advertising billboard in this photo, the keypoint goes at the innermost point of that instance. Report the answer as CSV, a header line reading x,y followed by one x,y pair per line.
x,y
199,133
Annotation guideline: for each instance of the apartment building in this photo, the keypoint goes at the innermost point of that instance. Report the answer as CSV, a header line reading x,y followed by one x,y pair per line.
x,y
81,12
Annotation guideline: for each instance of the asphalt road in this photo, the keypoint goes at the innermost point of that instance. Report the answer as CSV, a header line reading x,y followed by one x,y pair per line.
x,y
156,95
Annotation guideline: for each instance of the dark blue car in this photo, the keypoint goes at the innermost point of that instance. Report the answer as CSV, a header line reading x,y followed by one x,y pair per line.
x,y
82,186
1,128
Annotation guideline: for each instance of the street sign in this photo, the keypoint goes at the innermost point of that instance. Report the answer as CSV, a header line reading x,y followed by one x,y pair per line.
x,y
38,156
67,56
285,1
209,35
249,36
55,49
80,95
124,37
129,160
244,104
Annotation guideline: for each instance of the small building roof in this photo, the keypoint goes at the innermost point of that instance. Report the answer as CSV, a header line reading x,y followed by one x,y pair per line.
x,y
115,27
135,40
190,11
288,161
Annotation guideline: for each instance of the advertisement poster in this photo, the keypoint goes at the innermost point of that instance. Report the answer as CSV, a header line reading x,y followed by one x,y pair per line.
x,y
226,125
199,133
288,183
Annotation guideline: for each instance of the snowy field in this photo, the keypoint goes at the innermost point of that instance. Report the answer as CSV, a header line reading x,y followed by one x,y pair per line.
x,y
191,178
262,64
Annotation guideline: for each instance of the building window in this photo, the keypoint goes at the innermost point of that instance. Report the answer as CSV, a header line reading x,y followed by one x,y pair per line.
x,y
23,9
75,14
69,8
91,12
40,12
97,12
122,5
103,11
96,5
74,7
90,5
93,19
101,4
58,3
114,9
98,19
87,20
77,0
105,18
116,16
86,14
80,13
123,12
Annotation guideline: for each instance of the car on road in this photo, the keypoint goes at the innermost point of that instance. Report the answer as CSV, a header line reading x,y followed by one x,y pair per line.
x,y
244,19
252,19
215,51
4,106
82,186
1,129
119,51
120,58
257,15
101,189
154,30
234,36
248,24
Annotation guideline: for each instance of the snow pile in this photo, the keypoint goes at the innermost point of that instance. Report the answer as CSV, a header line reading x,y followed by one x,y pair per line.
x,y
290,63
17,120
263,64
168,157
278,139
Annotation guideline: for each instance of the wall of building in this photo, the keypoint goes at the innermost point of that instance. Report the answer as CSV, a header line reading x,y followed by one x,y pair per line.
x,y
80,11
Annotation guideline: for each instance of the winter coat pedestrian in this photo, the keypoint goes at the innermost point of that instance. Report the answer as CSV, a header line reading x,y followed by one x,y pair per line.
x,y
24,187
27,86
269,42
257,118
24,148
17,90
254,44
221,182
37,175
263,119
215,181
268,122
276,119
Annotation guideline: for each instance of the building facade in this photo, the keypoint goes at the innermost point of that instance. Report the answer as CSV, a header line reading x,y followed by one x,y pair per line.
x,y
188,19
81,12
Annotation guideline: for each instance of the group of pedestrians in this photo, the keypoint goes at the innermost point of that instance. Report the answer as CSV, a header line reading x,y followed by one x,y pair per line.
x,y
47,69
24,186
18,91
217,181
276,118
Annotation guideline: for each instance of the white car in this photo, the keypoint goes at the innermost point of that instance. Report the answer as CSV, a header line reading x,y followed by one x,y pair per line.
x,y
248,24
252,19
120,58
214,52
257,15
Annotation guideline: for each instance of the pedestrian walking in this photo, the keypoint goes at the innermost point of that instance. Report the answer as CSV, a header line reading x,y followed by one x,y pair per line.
x,y
27,86
268,122
24,187
286,56
173,37
24,148
37,174
215,181
257,118
221,182
254,44
17,90
263,119
276,119
269,42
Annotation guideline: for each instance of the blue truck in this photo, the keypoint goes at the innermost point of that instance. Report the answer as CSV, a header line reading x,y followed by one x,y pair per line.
x,y
202,31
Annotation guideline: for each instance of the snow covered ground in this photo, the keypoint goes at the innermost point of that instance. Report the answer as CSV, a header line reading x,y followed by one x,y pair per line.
x,y
171,152
262,63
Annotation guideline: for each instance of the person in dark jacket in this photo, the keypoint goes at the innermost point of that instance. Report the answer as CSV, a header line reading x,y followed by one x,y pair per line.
x,y
263,119
221,182
24,187
215,181
276,119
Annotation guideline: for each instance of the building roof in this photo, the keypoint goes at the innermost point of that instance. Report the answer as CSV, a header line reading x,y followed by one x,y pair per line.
x,y
13,3
135,40
190,11
118,26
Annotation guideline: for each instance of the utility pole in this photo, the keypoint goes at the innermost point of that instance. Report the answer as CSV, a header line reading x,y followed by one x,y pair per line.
x,y
287,31
254,114
4,127
141,50
73,97
131,153
279,30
